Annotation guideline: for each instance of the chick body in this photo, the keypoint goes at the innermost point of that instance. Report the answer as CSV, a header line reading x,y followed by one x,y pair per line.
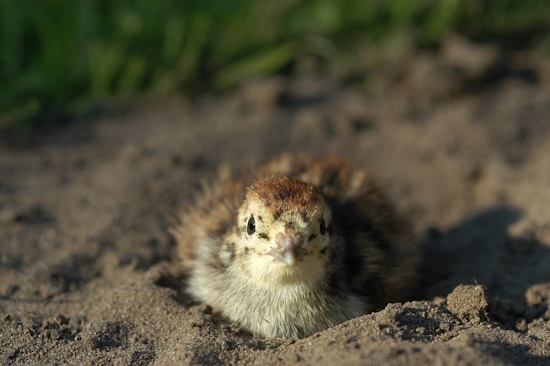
x,y
299,246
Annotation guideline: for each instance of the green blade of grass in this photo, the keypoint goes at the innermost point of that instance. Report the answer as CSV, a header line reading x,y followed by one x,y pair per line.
x,y
257,64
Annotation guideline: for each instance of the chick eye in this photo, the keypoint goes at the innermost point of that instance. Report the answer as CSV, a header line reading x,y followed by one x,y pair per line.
x,y
251,227
323,227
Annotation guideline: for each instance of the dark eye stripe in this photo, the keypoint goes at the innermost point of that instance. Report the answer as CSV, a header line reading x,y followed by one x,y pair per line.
x,y
322,227
277,214
263,236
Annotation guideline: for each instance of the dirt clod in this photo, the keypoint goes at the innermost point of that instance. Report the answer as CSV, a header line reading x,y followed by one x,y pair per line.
x,y
469,302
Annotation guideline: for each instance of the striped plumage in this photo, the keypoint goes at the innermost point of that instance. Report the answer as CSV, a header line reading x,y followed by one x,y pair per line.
x,y
298,246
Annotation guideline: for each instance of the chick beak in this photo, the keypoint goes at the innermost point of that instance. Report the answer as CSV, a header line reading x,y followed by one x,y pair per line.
x,y
288,248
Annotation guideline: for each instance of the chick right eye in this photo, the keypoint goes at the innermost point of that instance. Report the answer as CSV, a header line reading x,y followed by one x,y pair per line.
x,y
251,227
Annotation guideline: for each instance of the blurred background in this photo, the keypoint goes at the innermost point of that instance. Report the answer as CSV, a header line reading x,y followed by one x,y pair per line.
x,y
59,58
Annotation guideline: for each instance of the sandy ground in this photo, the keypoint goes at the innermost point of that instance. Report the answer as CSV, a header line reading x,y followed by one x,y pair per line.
x,y
459,140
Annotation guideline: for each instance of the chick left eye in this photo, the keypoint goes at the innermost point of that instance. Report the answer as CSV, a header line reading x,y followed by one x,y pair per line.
x,y
251,227
323,227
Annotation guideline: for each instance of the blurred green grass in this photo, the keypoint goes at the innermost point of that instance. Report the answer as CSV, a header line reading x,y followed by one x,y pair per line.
x,y
56,54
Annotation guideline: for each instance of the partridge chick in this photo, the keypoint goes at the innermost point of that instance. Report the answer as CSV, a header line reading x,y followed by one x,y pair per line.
x,y
299,246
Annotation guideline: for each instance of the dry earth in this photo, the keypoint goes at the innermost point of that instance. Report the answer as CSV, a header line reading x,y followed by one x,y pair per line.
x,y
459,140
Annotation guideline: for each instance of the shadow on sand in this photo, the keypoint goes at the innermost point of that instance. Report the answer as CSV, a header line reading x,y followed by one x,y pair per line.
x,y
481,250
